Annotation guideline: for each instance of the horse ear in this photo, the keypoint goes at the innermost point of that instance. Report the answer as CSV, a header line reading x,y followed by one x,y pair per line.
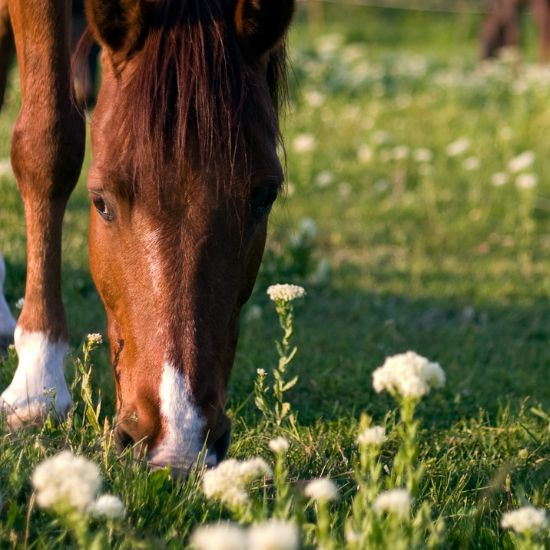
x,y
262,24
116,24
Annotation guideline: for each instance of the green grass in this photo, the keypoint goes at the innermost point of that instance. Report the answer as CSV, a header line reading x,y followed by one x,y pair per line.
x,y
435,260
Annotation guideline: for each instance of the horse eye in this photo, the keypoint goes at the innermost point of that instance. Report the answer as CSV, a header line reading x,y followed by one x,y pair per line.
x,y
102,208
262,200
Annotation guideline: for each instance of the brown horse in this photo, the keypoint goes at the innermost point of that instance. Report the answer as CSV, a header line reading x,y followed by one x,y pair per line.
x,y
184,174
501,28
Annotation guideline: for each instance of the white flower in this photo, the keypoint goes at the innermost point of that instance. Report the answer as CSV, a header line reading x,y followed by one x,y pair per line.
x,y
273,535
66,480
314,98
5,167
324,179
396,501
409,375
423,155
471,164
521,162
20,303
527,181
499,179
228,482
524,519
303,143
285,293
107,506
352,537
364,154
329,43
261,372
95,339
279,445
220,536
458,147
253,469
376,435
401,152
323,490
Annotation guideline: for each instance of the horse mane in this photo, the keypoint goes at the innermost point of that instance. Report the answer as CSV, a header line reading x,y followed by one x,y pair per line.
x,y
194,96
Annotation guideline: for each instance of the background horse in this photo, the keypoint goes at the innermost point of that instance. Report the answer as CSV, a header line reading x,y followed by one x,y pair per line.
x,y
184,174
501,29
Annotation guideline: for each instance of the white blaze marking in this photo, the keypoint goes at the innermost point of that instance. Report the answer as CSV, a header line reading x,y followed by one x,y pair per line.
x,y
183,424
39,382
7,322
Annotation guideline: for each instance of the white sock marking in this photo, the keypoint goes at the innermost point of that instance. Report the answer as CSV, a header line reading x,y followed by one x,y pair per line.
x,y
7,322
39,381
183,424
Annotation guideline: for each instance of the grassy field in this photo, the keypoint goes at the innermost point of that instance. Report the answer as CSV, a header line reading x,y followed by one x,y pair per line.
x,y
429,234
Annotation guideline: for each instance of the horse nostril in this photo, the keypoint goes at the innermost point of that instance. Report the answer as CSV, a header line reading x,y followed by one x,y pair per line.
x,y
222,445
123,440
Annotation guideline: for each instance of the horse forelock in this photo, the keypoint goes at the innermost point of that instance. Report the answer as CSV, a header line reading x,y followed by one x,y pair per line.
x,y
190,99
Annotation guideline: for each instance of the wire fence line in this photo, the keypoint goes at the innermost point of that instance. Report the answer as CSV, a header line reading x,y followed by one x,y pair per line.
x,y
439,6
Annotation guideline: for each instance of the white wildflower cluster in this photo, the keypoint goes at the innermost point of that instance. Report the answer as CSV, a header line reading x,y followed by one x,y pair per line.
x,y
229,481
219,536
521,162
365,154
95,339
525,519
5,167
67,481
458,147
401,152
107,506
270,535
408,375
396,501
303,143
423,155
324,179
527,181
373,436
279,445
314,98
273,535
499,179
285,293
321,490
471,164
518,167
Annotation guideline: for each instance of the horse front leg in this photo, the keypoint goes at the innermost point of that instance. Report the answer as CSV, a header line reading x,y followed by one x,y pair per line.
x,y
46,153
